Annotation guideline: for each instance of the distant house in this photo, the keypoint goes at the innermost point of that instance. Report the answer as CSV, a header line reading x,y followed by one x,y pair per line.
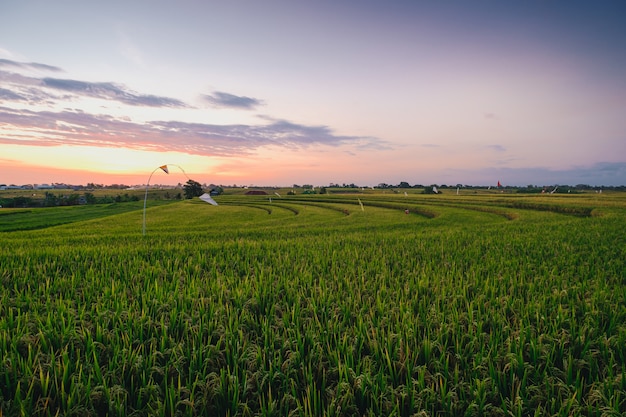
x,y
256,192
3,186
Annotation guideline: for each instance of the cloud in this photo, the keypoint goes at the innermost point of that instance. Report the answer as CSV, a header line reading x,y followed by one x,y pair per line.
x,y
28,65
497,148
71,127
62,126
110,91
221,99
9,95
242,139
20,87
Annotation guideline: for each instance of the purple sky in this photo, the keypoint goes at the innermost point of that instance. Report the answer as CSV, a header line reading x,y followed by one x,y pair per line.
x,y
284,92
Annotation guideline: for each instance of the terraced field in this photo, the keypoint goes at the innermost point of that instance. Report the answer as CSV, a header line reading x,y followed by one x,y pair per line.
x,y
317,305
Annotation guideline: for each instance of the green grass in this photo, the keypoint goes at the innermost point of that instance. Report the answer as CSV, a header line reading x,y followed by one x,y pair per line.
x,y
477,305
41,218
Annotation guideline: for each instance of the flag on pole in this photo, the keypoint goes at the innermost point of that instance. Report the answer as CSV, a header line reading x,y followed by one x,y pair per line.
x,y
207,197
499,185
164,168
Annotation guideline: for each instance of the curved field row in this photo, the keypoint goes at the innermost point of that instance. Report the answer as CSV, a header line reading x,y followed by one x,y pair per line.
x,y
263,206
499,206
32,219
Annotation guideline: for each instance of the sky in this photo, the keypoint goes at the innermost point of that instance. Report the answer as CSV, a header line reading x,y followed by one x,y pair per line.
x,y
313,92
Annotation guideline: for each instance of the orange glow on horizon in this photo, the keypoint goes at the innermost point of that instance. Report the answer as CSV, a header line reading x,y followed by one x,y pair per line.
x,y
83,164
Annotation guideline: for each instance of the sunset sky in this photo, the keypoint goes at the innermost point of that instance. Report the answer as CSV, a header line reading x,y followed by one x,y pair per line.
x,y
313,92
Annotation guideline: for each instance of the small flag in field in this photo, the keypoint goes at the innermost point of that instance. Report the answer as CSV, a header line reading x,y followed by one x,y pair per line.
x,y
499,185
207,197
164,168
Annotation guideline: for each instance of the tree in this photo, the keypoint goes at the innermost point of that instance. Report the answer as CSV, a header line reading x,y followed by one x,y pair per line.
x,y
90,198
192,189
50,200
432,189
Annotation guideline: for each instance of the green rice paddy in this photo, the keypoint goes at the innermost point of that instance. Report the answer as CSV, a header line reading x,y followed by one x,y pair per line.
x,y
482,305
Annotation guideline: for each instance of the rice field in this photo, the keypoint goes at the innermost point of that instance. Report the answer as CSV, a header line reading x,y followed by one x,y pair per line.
x,y
475,305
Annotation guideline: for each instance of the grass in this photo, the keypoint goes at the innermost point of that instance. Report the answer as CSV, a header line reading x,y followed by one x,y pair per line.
x,y
312,306
41,218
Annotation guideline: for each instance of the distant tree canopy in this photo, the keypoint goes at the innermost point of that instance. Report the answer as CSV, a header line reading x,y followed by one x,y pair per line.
x,y
192,189
217,190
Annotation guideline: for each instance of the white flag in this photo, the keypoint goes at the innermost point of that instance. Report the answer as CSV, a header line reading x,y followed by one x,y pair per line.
x,y
206,197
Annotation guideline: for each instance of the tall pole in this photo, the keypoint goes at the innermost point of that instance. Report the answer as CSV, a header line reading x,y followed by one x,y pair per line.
x,y
145,199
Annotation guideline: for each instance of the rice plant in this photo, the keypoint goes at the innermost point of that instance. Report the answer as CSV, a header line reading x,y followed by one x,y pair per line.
x,y
476,305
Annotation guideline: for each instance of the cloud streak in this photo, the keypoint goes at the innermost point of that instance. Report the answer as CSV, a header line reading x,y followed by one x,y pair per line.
x,y
77,128
28,65
110,91
221,99
19,87
9,95
497,148
61,126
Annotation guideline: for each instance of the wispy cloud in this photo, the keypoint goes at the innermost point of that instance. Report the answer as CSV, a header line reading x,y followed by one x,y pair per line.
x,y
47,128
221,99
23,123
20,87
285,132
28,65
497,148
9,95
111,91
